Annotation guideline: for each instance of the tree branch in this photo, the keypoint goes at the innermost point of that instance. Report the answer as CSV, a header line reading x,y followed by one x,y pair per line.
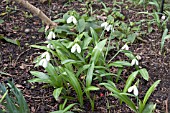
x,y
37,12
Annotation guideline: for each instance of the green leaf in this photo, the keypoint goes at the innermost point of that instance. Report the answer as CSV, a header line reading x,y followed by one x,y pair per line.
x,y
144,73
131,38
150,90
81,25
163,38
97,52
81,69
149,108
94,36
70,61
167,37
120,64
90,75
71,78
1,21
117,94
16,42
129,81
40,75
57,92
91,88
69,107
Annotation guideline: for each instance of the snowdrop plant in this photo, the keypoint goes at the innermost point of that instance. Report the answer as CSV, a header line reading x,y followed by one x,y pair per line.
x,y
142,106
79,57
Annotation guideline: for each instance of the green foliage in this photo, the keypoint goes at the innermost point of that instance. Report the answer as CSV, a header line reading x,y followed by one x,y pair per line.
x,y
78,56
12,99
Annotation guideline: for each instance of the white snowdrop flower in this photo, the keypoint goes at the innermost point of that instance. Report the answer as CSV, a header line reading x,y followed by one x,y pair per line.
x,y
50,46
51,35
75,48
138,57
163,17
46,55
72,19
125,47
134,62
105,24
107,27
43,62
134,89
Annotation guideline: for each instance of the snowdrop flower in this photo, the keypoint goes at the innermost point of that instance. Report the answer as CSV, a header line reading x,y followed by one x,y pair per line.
x,y
72,19
134,89
46,55
50,46
107,27
51,35
163,17
105,24
134,62
125,47
43,62
138,57
75,48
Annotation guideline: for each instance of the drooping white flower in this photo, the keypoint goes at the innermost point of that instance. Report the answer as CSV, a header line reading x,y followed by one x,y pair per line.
x,y
104,24
138,57
51,35
50,46
163,17
107,27
75,48
134,62
46,55
43,62
72,19
134,89
125,47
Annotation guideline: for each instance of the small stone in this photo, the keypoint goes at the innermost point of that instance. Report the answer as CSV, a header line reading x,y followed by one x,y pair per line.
x,y
27,30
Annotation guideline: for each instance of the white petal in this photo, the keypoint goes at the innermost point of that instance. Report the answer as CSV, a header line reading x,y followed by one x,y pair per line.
x,y
108,28
70,19
74,20
130,89
78,49
50,35
138,57
43,63
53,35
43,55
48,56
135,91
163,17
137,63
49,45
133,62
105,24
125,47
73,49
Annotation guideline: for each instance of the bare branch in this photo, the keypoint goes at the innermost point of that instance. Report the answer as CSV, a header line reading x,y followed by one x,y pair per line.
x,y
37,12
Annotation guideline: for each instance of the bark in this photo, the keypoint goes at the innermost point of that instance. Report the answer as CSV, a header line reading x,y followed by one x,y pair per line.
x,y
37,12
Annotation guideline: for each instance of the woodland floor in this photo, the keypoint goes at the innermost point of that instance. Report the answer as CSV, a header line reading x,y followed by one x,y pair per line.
x,y
18,61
